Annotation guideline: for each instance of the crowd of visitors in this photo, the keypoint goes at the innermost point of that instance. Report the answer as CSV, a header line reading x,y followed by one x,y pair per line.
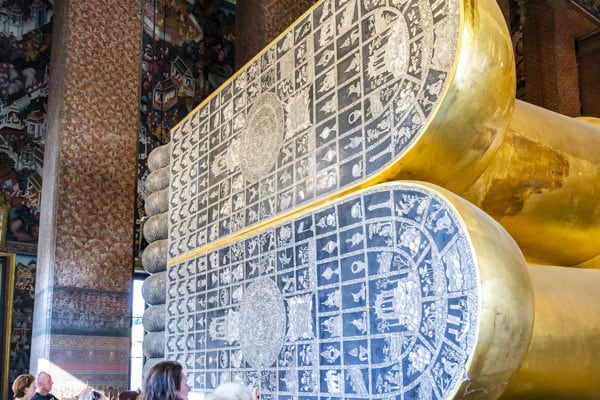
x,y
165,380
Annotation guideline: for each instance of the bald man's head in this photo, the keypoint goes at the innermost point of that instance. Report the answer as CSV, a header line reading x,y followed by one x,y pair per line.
x,y
44,383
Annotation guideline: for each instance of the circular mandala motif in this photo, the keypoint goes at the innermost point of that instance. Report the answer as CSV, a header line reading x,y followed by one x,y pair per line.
x,y
262,137
262,323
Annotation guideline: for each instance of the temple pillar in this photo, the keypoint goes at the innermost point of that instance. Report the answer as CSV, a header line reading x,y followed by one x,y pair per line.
x,y
588,51
550,29
81,332
260,21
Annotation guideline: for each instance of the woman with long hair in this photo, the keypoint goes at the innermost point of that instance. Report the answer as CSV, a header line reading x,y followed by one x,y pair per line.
x,y
165,381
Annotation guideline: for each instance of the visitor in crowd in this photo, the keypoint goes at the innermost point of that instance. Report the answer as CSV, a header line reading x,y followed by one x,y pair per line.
x,y
165,381
24,387
233,391
44,387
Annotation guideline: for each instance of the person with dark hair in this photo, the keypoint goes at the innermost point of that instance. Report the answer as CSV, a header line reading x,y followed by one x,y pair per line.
x,y
165,381
24,387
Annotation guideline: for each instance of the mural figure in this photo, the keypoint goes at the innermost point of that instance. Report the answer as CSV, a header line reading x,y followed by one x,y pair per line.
x,y
25,51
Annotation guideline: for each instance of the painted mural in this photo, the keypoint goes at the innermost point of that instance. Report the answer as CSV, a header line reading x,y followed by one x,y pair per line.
x,y
22,315
25,36
187,53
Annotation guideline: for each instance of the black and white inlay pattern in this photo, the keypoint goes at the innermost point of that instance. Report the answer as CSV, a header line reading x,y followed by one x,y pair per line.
x,y
337,98
372,296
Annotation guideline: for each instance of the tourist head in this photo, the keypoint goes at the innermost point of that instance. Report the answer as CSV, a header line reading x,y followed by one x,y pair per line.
x,y
24,386
44,383
165,381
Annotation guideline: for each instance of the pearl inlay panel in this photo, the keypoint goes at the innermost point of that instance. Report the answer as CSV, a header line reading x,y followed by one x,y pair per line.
x,y
333,101
374,295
